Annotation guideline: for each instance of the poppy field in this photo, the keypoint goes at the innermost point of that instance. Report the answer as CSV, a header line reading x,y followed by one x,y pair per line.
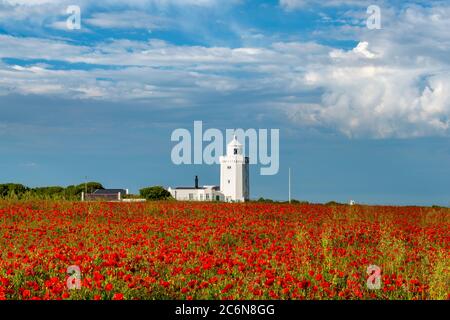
x,y
180,250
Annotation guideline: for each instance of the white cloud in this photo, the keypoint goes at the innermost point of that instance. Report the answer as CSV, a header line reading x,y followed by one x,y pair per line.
x,y
389,86
378,102
366,91
393,83
127,20
28,2
115,2
300,4
362,49
29,164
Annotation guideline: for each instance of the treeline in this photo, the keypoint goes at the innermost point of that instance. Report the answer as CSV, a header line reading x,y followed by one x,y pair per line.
x,y
294,201
22,192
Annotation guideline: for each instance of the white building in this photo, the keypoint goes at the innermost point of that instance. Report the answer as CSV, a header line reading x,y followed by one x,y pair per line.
x,y
205,193
196,193
234,180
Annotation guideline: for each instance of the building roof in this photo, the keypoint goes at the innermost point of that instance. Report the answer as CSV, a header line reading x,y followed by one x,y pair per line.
x,y
212,187
199,188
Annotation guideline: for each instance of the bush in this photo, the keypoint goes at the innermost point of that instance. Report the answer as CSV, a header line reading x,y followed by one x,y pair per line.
x,y
19,191
74,192
131,196
13,190
155,193
295,201
47,192
264,200
333,203
90,186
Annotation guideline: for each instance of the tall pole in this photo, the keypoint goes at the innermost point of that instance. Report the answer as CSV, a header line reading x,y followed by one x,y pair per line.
x,y
289,185
85,184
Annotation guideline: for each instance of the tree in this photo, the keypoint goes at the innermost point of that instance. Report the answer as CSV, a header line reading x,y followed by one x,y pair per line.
x,y
53,192
90,186
12,190
73,192
295,201
264,200
155,193
333,203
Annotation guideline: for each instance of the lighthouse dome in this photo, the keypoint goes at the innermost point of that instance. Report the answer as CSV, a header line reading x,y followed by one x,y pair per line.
x,y
234,147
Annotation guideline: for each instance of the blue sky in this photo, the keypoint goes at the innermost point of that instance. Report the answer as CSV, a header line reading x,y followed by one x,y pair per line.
x,y
363,113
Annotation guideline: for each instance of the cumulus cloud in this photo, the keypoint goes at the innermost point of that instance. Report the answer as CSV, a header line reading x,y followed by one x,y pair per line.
x,y
378,102
395,84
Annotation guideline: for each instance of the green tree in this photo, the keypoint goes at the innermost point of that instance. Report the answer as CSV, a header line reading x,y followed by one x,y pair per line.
x,y
53,192
91,186
155,193
264,200
12,190
333,203
73,192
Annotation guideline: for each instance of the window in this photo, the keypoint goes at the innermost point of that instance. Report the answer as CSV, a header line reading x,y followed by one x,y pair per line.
x,y
201,197
235,151
207,196
229,167
191,196
228,181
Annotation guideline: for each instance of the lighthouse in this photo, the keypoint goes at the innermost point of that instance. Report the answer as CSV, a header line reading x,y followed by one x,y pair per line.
x,y
234,173
234,179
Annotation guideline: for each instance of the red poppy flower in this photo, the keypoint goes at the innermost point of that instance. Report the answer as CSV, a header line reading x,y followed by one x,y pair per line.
x,y
26,294
118,296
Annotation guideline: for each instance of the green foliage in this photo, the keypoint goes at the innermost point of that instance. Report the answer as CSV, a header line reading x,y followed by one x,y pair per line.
x,y
12,190
438,207
155,193
293,201
131,196
91,186
334,203
73,192
48,190
264,200
19,191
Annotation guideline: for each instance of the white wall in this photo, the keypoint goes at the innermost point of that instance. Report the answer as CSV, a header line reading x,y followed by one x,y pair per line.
x,y
196,194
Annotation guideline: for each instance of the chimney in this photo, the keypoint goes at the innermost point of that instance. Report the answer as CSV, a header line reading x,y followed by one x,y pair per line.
x,y
196,182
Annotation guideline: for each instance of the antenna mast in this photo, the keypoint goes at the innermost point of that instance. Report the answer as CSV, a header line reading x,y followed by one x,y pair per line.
x,y
289,185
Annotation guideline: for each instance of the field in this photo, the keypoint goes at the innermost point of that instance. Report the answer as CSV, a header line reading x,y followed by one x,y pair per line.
x,y
175,250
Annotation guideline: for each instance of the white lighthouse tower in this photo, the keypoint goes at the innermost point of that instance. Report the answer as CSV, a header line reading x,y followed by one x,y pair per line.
x,y
234,173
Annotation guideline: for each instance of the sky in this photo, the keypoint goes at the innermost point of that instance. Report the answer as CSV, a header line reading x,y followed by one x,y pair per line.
x,y
363,113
